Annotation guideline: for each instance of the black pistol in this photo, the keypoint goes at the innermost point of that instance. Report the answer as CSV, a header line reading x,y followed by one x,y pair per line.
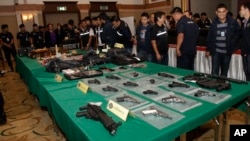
x,y
130,84
163,74
94,81
110,89
177,84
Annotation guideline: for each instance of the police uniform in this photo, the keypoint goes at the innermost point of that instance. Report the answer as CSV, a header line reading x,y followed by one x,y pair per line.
x,y
188,46
37,39
24,39
99,33
124,36
85,35
160,35
108,34
245,48
6,38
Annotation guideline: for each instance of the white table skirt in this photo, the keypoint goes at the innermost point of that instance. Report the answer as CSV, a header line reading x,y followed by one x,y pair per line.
x,y
203,64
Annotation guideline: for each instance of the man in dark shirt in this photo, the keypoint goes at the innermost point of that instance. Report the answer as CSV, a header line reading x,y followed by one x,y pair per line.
x,y
204,22
108,34
86,33
36,37
188,33
159,39
245,44
144,47
23,37
7,42
222,40
123,34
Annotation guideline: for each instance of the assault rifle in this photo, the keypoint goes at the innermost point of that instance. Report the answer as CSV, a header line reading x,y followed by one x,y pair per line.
x,y
220,78
96,113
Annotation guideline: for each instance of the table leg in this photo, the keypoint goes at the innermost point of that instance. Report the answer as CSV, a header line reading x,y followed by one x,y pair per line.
x,y
248,110
183,137
217,128
223,132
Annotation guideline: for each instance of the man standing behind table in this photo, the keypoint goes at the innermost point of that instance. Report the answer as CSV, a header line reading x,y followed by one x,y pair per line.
x,y
245,44
144,47
108,34
123,34
23,37
188,33
222,40
159,39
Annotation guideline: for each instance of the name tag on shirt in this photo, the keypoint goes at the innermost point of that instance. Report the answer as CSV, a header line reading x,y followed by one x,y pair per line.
x,y
222,34
161,33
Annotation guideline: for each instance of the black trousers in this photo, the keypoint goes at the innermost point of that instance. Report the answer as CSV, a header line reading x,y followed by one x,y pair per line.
x,y
185,61
246,66
7,53
220,63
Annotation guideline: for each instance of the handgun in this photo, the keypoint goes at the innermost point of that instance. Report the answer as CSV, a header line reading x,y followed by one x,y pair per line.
x,y
152,81
177,84
154,111
127,98
201,93
163,74
110,89
150,92
131,84
173,99
135,74
94,81
113,77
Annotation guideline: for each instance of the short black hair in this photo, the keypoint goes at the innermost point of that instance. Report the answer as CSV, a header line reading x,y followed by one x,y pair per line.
x,y
203,14
4,26
145,14
158,15
103,16
34,25
115,18
21,26
246,5
230,14
87,18
221,5
71,22
196,15
94,18
176,10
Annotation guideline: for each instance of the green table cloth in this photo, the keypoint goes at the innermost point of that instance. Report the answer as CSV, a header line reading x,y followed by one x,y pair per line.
x,y
64,99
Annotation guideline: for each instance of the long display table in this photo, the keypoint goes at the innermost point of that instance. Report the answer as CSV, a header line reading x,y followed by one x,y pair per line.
x,y
64,99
